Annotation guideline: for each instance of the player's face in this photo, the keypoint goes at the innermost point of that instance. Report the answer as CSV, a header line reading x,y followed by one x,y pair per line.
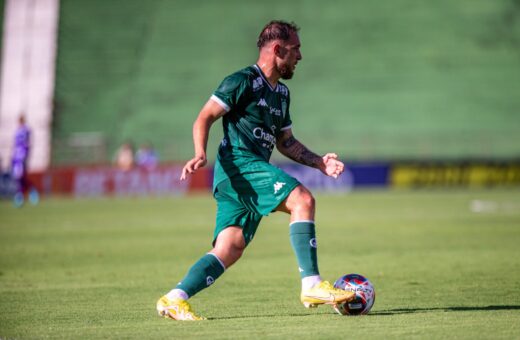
x,y
288,57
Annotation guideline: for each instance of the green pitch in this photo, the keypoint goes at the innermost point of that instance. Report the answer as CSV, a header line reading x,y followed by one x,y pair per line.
x,y
95,268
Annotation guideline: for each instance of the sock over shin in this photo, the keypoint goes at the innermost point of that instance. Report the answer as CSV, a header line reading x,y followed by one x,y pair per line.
x,y
202,274
303,241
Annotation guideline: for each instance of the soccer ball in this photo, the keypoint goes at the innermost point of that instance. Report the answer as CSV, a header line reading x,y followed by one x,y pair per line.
x,y
365,295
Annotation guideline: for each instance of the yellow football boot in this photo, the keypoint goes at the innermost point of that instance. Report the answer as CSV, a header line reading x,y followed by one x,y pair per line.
x,y
176,309
324,292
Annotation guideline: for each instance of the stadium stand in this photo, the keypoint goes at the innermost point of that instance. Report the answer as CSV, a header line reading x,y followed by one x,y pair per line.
x,y
379,80
27,76
2,4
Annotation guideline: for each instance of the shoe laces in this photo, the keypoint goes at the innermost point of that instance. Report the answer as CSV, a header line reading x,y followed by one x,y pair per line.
x,y
185,307
328,286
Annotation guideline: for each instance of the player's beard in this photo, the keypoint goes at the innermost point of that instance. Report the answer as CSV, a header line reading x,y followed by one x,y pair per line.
x,y
285,71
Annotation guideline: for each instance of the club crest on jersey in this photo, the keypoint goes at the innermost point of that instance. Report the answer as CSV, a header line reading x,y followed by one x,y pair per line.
x,y
283,90
257,83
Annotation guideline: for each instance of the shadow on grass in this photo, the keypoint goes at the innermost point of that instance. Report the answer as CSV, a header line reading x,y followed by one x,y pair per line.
x,y
383,312
445,309
262,316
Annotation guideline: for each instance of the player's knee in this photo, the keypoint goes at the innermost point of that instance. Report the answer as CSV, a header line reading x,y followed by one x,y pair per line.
x,y
238,245
232,254
230,245
305,201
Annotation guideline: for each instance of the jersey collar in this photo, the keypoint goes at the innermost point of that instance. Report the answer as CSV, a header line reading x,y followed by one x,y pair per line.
x,y
259,70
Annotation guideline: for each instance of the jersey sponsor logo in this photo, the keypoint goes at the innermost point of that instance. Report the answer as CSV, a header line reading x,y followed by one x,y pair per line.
x,y
269,141
257,84
277,186
262,103
275,111
272,110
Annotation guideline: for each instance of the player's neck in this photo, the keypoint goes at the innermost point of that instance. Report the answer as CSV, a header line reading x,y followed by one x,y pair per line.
x,y
269,72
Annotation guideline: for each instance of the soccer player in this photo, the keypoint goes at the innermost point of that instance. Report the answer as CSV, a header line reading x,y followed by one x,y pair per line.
x,y
20,156
254,107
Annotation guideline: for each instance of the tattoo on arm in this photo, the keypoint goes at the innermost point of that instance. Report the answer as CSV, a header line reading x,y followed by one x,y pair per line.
x,y
298,152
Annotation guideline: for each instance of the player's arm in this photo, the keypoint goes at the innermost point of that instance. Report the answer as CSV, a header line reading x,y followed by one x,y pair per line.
x,y
290,147
207,116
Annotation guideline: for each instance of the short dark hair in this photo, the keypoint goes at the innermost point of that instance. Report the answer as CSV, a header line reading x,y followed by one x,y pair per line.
x,y
276,29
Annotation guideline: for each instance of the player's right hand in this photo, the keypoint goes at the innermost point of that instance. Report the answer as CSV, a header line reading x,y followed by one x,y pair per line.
x,y
192,165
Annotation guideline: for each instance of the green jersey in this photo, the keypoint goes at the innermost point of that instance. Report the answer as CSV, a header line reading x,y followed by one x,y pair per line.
x,y
245,185
256,114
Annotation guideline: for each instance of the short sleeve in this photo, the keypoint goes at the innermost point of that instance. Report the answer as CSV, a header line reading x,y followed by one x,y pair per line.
x,y
287,122
230,91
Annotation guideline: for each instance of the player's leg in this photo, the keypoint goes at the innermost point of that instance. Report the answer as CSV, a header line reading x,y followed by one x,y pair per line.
x,y
300,204
30,190
228,248
17,174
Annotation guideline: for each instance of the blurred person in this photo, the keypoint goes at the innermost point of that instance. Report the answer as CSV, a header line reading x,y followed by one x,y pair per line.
x,y
254,107
146,157
19,159
124,158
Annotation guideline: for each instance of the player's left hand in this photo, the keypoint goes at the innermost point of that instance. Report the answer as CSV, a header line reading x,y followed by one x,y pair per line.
x,y
332,166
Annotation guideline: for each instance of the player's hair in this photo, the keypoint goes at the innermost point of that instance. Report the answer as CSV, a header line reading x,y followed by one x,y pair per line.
x,y
276,29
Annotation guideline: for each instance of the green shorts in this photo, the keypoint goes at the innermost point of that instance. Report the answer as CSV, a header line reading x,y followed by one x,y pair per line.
x,y
243,199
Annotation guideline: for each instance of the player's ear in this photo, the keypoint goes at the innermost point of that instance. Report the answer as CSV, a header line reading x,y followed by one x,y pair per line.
x,y
279,50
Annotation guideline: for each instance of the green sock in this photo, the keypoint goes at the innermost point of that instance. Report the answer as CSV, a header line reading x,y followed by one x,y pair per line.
x,y
202,274
303,241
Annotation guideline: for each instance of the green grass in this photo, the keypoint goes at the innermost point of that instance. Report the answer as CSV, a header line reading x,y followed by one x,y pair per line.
x,y
94,268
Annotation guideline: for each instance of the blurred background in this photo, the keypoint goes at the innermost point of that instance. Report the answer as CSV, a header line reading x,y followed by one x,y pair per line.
x,y
408,92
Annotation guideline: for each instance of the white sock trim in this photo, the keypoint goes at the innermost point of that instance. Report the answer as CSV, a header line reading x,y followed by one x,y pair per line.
x,y
177,293
310,281
301,221
219,260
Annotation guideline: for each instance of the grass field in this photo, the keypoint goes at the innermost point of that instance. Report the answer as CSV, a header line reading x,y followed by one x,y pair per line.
x,y
94,268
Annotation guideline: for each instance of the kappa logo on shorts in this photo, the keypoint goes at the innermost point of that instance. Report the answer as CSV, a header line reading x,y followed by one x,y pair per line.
x,y
278,186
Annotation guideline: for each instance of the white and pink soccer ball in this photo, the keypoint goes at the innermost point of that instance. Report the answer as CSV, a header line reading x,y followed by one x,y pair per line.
x,y
365,294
